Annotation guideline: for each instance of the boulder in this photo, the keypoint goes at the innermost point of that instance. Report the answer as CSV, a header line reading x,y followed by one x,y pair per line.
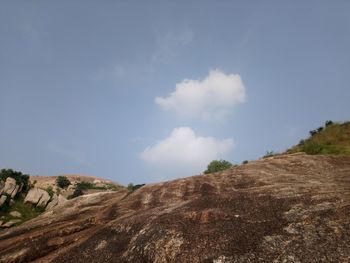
x,y
11,223
37,197
71,187
96,181
20,187
56,201
45,198
10,186
2,199
2,184
15,214
61,200
53,202
15,191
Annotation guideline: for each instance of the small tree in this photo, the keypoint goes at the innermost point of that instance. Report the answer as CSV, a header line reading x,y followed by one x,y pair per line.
x,y
217,166
269,154
313,132
62,181
328,123
50,191
77,192
131,187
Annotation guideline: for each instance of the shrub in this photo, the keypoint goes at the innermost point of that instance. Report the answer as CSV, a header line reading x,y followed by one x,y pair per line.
x,y
77,192
85,185
62,181
217,166
319,129
131,187
245,162
328,123
50,191
18,176
313,132
269,154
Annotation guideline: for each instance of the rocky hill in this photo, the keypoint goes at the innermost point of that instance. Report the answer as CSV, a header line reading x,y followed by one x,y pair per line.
x,y
23,197
92,184
46,181
285,208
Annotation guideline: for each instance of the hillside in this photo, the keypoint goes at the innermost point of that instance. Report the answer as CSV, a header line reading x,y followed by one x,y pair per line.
x,y
45,181
98,184
285,208
333,138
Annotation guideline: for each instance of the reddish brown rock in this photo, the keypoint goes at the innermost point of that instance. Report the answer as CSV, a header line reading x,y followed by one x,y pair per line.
x,y
288,208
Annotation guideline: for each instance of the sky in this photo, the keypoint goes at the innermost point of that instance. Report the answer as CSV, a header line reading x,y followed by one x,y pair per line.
x,y
147,91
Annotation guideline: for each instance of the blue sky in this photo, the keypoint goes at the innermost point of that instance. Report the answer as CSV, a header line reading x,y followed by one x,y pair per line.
x,y
145,91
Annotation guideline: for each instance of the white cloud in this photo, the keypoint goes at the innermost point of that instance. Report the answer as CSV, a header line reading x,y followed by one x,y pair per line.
x,y
207,99
184,151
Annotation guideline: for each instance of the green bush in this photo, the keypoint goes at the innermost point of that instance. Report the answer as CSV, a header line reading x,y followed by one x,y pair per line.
x,y
269,154
245,162
313,132
131,187
77,192
217,166
328,123
18,176
62,181
50,191
85,185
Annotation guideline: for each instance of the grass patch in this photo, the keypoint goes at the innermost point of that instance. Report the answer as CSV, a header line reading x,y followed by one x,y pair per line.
x,y
332,139
27,211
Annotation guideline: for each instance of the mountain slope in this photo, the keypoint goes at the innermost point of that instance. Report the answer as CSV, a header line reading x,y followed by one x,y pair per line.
x,y
334,138
286,208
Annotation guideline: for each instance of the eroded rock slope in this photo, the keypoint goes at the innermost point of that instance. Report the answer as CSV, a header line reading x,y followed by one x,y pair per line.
x,y
288,208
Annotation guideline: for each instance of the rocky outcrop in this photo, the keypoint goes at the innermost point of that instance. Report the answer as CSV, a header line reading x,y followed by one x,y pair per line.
x,y
53,202
37,197
56,201
288,208
15,214
9,189
11,223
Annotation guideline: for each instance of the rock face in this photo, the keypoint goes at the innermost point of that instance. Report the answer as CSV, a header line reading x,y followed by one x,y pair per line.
x,y
288,208
11,223
8,189
10,186
37,197
56,201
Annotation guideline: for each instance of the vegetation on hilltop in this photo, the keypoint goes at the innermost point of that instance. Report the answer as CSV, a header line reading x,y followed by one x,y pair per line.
x,y
333,138
217,166
62,181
